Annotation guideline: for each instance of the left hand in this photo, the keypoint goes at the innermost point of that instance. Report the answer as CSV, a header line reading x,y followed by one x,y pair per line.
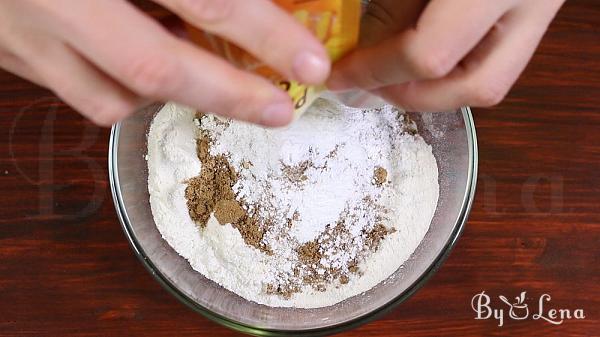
x,y
440,55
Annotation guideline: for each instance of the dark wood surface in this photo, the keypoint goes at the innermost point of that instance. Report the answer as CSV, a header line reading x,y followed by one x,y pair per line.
x,y
66,267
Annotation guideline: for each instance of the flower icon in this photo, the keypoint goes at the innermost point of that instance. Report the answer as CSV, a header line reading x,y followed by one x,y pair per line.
x,y
518,310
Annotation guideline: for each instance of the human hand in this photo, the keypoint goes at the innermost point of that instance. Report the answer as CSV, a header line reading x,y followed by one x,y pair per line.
x,y
440,55
106,58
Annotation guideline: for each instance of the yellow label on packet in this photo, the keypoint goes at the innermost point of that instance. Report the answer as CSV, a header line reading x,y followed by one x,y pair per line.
x,y
334,22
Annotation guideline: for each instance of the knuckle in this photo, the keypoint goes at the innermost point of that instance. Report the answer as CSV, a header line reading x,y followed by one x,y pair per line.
x,y
152,75
103,121
107,114
103,108
425,63
207,11
488,94
103,118
432,65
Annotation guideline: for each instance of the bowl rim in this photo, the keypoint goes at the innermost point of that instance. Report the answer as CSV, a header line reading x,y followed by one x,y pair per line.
x,y
459,225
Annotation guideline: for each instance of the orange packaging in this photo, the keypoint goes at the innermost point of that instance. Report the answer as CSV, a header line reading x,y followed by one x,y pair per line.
x,y
334,22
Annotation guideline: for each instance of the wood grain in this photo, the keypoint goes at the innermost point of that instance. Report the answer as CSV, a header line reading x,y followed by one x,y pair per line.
x,y
66,267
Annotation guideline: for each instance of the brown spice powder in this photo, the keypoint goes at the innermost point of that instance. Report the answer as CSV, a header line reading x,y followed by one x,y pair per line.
x,y
380,175
229,211
296,174
211,186
377,234
212,191
284,291
309,253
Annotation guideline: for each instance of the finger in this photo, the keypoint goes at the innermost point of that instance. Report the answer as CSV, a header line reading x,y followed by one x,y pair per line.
x,y
441,39
487,74
280,41
13,64
386,18
79,84
142,55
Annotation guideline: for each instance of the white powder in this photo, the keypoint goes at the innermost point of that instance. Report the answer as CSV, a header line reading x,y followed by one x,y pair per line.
x,y
344,146
333,181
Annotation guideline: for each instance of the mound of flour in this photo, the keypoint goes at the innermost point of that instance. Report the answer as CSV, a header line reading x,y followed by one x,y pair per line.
x,y
344,147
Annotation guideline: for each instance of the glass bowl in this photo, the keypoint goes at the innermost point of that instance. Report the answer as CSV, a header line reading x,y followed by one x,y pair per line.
x,y
452,136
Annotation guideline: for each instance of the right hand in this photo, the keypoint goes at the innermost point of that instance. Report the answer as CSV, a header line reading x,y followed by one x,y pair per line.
x,y
107,59
440,55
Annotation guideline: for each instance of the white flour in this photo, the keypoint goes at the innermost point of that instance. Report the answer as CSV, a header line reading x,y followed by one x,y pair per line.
x,y
343,146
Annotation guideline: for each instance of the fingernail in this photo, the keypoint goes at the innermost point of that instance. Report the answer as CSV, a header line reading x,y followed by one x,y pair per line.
x,y
279,113
310,68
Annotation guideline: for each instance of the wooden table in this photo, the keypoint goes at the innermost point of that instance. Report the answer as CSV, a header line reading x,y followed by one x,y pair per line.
x,y
66,267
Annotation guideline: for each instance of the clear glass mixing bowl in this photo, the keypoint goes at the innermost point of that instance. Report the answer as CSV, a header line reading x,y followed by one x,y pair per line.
x,y
452,136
